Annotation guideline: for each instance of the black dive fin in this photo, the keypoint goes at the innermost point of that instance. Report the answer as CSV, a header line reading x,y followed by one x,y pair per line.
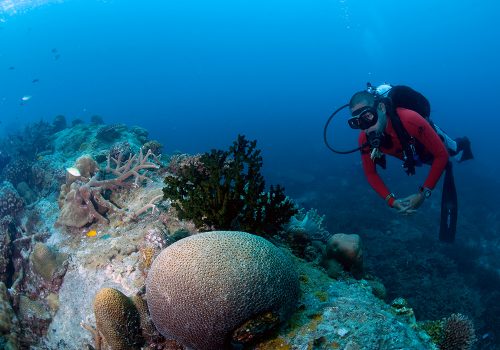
x,y
449,207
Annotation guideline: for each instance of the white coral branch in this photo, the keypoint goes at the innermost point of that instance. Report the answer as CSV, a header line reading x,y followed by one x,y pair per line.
x,y
148,206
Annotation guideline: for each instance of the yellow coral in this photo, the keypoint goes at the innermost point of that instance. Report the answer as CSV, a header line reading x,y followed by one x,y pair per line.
x,y
147,257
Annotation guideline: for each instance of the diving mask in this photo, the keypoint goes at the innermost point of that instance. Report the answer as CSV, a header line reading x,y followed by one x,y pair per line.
x,y
363,118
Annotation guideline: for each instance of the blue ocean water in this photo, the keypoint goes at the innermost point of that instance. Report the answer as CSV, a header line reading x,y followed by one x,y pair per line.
x,y
196,74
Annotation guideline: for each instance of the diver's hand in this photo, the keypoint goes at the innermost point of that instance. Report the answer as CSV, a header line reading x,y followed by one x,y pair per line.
x,y
414,201
403,206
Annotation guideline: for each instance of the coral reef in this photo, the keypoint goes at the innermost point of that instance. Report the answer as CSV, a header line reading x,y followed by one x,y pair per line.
x,y
59,123
45,301
225,190
10,201
110,132
153,145
344,314
35,319
242,275
17,171
46,262
84,203
9,325
122,148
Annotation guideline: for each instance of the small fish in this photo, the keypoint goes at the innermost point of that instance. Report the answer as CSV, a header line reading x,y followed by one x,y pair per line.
x,y
12,68
56,57
26,98
92,233
74,171
54,50
35,80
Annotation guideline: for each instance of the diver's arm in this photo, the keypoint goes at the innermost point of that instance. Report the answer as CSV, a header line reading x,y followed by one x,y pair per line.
x,y
419,128
373,177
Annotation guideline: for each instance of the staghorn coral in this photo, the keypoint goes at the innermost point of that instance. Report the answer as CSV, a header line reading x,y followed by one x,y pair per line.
x,y
117,320
84,203
225,190
202,288
458,333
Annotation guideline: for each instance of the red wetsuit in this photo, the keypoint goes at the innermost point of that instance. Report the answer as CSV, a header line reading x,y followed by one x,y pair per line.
x,y
432,148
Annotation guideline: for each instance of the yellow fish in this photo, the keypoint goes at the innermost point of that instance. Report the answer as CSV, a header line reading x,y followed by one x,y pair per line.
x,y
92,233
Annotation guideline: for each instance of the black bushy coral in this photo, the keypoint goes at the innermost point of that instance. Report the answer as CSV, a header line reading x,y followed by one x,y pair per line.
x,y
225,190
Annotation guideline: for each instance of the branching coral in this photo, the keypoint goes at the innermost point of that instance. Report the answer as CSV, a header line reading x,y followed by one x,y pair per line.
x,y
458,333
225,190
85,201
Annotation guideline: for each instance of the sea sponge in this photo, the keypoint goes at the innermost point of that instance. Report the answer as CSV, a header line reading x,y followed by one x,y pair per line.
x,y
203,287
117,319
87,166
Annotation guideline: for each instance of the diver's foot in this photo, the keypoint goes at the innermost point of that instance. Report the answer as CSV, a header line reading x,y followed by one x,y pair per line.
x,y
464,151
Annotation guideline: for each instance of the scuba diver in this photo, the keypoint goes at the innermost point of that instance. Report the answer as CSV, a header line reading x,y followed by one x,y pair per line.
x,y
394,120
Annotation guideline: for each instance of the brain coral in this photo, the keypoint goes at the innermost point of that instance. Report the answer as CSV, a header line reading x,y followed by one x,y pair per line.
x,y
203,287
117,319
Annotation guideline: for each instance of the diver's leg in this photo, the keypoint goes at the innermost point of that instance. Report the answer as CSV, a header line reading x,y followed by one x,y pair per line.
x,y
463,145
459,148
449,207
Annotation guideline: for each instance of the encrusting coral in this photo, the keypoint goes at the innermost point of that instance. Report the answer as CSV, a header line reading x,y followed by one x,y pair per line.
x,y
203,287
84,202
46,262
225,190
